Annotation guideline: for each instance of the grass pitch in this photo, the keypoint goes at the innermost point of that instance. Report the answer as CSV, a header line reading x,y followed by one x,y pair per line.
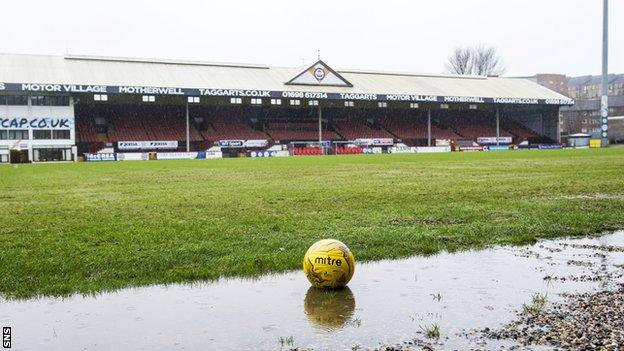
x,y
89,227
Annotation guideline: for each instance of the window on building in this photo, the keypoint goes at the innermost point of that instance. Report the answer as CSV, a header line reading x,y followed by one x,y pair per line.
x,y
348,103
149,98
413,105
4,134
276,101
57,100
18,134
256,101
61,134
382,104
52,154
37,100
17,100
236,101
42,134
313,103
472,106
100,97
41,100
295,102
193,100
444,106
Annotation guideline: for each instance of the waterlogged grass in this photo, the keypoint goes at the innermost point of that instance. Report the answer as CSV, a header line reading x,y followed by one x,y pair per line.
x,y
538,302
431,331
89,227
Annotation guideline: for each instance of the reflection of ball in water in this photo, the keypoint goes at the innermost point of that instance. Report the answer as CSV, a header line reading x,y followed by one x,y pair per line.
x,y
329,264
329,308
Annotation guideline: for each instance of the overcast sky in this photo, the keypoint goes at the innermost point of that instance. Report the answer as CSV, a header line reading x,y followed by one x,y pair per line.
x,y
554,36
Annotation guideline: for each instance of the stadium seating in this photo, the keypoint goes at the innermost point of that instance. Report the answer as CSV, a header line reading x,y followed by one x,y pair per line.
x,y
348,150
409,125
518,130
168,124
297,131
126,127
98,125
472,125
230,128
352,129
406,127
443,133
86,131
307,151
132,123
226,123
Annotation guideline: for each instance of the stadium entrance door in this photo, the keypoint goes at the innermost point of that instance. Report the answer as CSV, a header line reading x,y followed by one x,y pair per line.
x,y
19,156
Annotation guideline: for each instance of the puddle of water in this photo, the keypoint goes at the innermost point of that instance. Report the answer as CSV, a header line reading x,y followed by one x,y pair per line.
x,y
387,302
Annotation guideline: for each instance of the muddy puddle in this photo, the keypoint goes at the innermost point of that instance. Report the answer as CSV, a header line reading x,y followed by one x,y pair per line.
x,y
387,303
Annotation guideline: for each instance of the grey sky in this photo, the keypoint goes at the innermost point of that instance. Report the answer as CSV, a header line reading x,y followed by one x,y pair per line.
x,y
559,36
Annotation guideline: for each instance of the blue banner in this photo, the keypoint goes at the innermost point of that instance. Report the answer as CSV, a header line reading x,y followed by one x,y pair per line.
x,y
498,148
549,147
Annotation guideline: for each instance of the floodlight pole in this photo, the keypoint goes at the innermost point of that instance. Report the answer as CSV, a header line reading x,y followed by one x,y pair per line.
x,y
497,128
604,101
429,126
188,131
320,127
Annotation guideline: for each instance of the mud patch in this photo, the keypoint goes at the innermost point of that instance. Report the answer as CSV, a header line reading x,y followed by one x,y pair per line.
x,y
589,321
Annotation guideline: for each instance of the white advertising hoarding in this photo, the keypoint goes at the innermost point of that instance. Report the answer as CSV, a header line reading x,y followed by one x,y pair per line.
x,y
431,149
374,141
176,155
132,156
147,145
492,140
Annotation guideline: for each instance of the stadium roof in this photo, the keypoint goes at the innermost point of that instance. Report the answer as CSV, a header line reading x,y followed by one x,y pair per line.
x,y
20,72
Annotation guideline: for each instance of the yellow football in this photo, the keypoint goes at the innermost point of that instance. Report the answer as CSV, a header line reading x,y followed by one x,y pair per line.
x,y
329,263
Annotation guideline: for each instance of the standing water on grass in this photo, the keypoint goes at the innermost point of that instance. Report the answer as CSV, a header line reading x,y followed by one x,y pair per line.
x,y
387,303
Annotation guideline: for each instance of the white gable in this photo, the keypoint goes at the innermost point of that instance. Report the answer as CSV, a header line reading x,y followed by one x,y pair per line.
x,y
319,74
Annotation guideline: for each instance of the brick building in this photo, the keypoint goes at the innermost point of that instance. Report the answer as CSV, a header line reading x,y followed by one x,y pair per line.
x,y
584,116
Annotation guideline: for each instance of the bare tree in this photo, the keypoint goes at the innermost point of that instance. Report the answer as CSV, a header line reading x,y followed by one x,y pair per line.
x,y
477,60
459,62
485,61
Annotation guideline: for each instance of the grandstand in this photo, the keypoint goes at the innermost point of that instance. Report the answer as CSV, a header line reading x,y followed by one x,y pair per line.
x,y
212,125
150,105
